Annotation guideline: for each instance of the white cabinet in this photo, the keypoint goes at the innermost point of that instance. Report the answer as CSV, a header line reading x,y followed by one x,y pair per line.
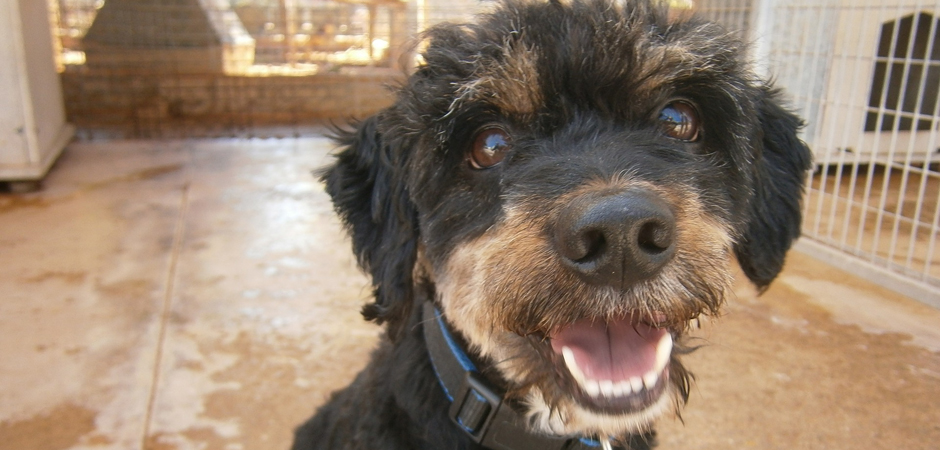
x,y
33,130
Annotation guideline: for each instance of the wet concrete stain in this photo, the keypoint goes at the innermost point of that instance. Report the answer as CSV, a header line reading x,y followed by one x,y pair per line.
x,y
59,429
14,202
11,202
67,277
280,385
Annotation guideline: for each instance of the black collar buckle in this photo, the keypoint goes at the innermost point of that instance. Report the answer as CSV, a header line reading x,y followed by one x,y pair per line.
x,y
491,423
474,406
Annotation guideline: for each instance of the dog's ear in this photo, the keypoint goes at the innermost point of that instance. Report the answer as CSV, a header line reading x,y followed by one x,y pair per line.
x,y
369,193
774,213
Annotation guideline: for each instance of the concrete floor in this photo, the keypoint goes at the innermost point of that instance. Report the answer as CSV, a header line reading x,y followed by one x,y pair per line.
x,y
200,295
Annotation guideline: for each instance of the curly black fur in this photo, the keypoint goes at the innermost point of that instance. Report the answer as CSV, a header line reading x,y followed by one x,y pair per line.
x,y
578,85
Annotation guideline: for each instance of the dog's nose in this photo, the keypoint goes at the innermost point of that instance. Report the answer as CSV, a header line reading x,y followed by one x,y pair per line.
x,y
616,238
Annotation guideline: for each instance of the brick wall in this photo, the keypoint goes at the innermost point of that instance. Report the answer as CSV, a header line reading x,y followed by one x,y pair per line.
x,y
192,105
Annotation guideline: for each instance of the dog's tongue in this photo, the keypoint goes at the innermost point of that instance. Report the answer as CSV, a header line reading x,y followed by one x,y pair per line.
x,y
617,350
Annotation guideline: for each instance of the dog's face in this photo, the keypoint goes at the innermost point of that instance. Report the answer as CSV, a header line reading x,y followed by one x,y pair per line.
x,y
570,180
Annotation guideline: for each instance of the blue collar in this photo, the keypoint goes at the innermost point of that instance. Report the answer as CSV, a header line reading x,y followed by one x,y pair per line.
x,y
477,408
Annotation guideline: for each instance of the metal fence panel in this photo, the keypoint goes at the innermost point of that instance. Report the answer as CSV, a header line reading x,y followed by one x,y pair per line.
x,y
866,76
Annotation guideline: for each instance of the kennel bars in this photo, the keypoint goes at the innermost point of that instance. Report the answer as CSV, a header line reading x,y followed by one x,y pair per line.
x,y
866,76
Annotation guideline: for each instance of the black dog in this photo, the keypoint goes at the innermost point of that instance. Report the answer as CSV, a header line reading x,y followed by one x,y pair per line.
x,y
552,201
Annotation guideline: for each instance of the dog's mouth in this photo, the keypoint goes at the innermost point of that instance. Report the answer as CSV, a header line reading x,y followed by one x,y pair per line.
x,y
618,365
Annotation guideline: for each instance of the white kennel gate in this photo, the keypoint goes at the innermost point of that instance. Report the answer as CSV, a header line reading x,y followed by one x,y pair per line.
x,y
866,76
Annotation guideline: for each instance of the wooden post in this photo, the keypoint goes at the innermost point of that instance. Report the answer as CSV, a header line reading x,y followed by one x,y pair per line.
x,y
371,34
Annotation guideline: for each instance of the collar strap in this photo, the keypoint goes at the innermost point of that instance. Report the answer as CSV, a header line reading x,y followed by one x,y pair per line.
x,y
476,407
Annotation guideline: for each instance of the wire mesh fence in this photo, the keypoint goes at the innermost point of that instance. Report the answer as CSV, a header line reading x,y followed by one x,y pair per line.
x,y
866,76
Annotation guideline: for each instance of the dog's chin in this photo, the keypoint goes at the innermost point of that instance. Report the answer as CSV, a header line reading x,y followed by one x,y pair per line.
x,y
571,416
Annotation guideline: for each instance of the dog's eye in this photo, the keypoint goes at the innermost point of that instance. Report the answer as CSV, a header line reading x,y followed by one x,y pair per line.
x,y
489,148
680,121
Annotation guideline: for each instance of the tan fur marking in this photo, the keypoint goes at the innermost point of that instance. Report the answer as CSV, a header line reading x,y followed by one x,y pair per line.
x,y
511,85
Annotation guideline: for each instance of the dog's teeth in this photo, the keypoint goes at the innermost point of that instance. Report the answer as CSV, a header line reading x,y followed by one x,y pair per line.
x,y
607,388
610,389
618,389
572,365
663,352
636,383
569,358
650,379
592,388
627,387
